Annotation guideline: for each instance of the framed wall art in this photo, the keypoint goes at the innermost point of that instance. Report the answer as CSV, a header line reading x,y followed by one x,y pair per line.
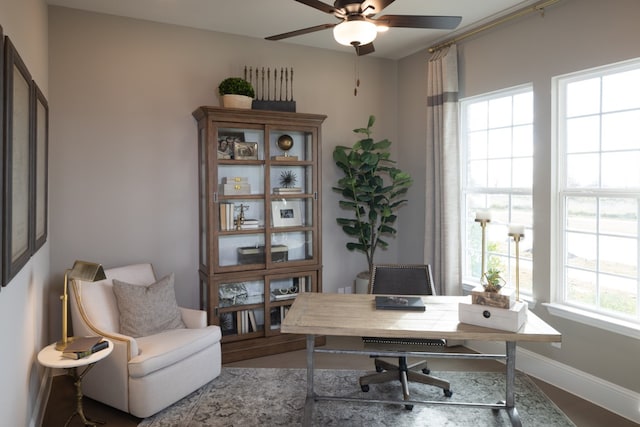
x,y
2,133
40,151
286,213
18,164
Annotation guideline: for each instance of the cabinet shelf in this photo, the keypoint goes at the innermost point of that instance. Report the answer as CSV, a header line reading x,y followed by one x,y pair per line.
x,y
239,269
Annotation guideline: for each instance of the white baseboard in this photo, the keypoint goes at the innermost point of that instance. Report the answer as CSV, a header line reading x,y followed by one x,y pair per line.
x,y
612,397
40,405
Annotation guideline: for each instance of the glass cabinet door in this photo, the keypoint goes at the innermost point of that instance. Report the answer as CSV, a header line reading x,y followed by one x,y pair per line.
x,y
283,291
241,307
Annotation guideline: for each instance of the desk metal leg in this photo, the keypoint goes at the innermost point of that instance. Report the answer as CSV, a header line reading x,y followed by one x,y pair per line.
x,y
510,403
77,381
308,405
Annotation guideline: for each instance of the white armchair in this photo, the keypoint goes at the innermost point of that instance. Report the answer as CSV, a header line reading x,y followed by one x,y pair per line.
x,y
143,375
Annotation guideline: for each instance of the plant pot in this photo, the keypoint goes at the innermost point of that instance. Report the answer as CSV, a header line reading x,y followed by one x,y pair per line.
x,y
237,101
362,283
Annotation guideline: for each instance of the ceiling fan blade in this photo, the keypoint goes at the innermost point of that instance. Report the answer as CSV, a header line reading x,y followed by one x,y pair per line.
x,y
364,49
316,4
417,21
301,32
376,5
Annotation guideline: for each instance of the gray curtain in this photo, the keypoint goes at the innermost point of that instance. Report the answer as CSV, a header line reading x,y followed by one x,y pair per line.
x,y
442,213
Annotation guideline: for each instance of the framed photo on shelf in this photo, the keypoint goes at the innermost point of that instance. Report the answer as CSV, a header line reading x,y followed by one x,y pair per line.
x,y
286,213
245,151
226,142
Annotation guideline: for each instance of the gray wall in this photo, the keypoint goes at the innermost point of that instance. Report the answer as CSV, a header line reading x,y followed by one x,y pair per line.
x,y
573,35
24,302
123,141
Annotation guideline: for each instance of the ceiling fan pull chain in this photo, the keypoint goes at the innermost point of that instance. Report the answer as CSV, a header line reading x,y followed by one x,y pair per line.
x,y
357,76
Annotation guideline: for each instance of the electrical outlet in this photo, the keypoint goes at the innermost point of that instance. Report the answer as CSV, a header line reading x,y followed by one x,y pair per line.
x,y
341,290
348,290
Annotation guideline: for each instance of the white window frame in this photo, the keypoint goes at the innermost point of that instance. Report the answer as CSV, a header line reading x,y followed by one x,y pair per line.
x,y
560,305
470,281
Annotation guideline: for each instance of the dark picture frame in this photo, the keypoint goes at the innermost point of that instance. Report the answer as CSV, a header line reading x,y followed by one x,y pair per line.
x,y
2,132
226,142
18,197
40,182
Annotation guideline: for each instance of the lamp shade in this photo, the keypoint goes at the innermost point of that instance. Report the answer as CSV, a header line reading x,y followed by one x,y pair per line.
x,y
355,32
87,271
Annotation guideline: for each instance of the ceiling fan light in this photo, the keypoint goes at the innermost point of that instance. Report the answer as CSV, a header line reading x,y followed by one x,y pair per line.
x,y
355,32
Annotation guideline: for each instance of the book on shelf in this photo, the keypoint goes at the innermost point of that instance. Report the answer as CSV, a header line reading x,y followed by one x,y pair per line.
x,y
287,190
85,348
243,327
283,312
278,296
275,315
252,321
399,303
226,216
250,224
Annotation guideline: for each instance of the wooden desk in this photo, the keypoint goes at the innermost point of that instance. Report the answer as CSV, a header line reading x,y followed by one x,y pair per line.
x,y
355,315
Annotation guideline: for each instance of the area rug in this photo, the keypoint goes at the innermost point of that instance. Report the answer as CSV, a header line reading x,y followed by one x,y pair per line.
x,y
275,397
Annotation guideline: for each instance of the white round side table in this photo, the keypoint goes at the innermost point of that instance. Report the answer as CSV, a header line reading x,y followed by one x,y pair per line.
x,y
52,358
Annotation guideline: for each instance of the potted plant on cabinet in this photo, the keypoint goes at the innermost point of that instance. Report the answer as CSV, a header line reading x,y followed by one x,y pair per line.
x,y
236,92
372,189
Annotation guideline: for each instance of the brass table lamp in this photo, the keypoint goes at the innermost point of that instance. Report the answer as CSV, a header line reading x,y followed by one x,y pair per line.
x,y
82,270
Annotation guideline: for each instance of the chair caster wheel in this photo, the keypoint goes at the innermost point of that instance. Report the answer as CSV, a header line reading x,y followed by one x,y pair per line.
x,y
408,407
379,369
365,388
448,393
426,371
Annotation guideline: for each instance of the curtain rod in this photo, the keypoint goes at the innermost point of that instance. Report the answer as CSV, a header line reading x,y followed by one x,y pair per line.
x,y
538,7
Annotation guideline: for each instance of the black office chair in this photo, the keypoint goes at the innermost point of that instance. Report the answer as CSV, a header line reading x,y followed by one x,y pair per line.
x,y
403,280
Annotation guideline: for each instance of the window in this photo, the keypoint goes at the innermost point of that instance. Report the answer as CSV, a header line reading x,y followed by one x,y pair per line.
x,y
598,146
497,167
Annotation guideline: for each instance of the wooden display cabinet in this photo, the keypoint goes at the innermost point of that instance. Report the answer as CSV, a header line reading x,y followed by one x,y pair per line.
x,y
260,227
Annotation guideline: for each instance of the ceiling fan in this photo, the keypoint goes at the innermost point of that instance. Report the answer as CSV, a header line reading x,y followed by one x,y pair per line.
x,y
359,26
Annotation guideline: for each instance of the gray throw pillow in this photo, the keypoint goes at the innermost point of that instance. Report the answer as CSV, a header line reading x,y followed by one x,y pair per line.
x,y
147,310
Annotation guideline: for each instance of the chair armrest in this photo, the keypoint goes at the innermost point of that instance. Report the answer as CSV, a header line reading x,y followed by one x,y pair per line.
x,y
128,345
194,319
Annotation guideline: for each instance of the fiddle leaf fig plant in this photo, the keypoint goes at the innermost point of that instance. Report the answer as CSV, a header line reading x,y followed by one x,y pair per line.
x,y
372,190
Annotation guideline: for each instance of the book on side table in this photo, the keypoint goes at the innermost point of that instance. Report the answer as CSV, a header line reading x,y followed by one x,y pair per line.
x,y
84,346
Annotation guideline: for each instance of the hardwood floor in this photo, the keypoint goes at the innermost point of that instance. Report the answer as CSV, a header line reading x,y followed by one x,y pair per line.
x,y
584,414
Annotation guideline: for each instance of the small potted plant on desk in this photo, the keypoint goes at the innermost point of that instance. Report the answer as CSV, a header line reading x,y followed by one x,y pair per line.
x,y
236,92
492,291
372,189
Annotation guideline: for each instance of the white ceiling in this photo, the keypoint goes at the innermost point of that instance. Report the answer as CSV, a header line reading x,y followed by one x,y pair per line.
x,y
263,18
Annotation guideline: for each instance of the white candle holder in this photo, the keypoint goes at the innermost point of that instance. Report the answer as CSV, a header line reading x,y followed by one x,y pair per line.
x,y
483,224
517,235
